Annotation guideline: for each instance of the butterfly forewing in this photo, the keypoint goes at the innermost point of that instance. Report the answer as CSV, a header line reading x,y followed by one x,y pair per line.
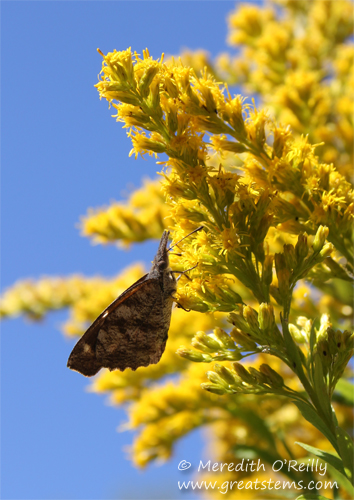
x,y
132,331
135,333
83,357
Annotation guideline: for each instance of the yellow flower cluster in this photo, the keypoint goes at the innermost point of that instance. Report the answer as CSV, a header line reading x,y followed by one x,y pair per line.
x,y
298,57
85,297
276,207
165,414
177,108
305,74
34,299
144,216
277,182
171,411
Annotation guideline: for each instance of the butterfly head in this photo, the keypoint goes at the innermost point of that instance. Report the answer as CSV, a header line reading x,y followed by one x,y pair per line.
x,y
161,260
161,267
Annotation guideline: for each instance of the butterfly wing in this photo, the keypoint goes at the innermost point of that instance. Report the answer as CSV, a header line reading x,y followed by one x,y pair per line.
x,y
135,333
83,357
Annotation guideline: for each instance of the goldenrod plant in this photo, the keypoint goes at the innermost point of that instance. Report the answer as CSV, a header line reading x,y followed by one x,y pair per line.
x,y
261,360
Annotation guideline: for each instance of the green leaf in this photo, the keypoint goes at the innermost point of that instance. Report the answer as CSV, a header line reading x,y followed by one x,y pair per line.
x,y
265,455
334,460
320,385
312,346
342,480
334,416
311,416
334,465
346,450
292,348
344,392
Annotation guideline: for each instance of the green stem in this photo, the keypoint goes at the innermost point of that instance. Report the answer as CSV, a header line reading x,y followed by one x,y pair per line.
x,y
297,365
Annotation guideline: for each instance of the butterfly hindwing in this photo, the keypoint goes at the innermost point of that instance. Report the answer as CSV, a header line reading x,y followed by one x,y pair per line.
x,y
83,357
135,333
132,331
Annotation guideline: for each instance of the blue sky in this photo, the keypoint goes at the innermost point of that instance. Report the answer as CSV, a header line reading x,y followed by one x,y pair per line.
x,y
63,153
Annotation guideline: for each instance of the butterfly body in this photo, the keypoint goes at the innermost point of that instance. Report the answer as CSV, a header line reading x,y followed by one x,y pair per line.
x,y
133,330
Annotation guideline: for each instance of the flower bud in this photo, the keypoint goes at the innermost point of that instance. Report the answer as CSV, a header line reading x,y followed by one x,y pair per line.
x,y
338,337
234,355
224,338
234,147
239,321
331,335
192,96
275,380
146,80
262,229
258,376
244,374
207,341
216,379
193,355
290,257
301,248
304,322
279,142
258,250
118,72
260,133
228,296
346,223
214,388
348,339
227,375
235,117
325,323
154,99
149,144
267,276
297,334
193,303
251,317
123,96
172,120
326,250
283,274
243,340
266,318
170,87
320,238
324,352
200,346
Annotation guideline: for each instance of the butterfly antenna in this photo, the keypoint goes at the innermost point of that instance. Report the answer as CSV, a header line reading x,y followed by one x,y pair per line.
x,y
195,231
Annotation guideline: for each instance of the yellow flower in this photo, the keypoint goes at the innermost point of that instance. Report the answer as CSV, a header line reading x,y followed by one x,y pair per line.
x,y
269,185
145,215
248,23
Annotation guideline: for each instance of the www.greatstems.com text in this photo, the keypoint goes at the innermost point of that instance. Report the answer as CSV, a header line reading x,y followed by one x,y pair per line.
x,y
248,465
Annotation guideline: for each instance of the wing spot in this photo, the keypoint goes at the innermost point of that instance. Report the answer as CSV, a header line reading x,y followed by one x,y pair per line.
x,y
105,314
87,348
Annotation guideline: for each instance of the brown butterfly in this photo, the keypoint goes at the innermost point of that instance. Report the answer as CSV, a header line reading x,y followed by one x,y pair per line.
x,y
133,330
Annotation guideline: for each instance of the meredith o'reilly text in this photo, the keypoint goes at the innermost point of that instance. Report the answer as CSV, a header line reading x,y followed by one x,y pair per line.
x,y
248,465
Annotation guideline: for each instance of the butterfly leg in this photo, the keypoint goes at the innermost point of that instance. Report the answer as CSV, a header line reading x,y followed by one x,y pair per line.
x,y
181,307
184,272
